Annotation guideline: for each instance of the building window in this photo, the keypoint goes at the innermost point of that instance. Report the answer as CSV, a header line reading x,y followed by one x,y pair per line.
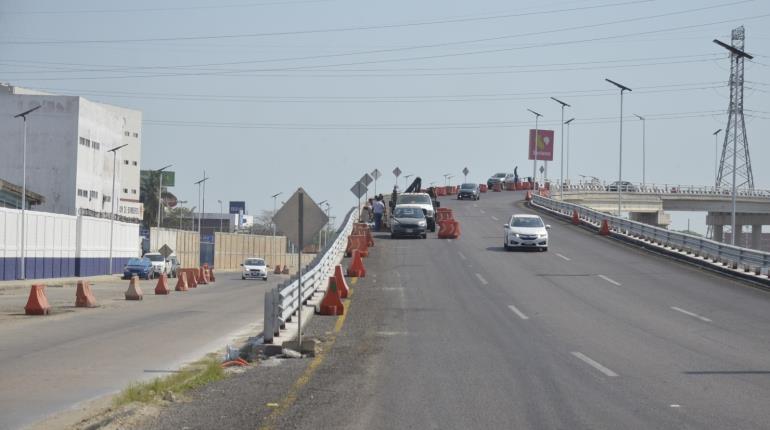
x,y
134,163
133,191
94,194
107,199
127,133
95,144
125,162
85,142
136,135
82,193
125,190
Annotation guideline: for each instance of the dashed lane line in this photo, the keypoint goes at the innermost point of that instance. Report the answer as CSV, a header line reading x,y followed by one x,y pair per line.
x,y
610,280
692,314
519,313
563,257
593,363
494,218
481,279
462,256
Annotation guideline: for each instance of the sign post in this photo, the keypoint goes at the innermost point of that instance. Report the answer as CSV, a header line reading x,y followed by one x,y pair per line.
x,y
465,173
358,190
376,175
396,173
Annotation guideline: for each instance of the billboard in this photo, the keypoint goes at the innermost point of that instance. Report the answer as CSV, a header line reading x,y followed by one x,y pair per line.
x,y
237,207
544,145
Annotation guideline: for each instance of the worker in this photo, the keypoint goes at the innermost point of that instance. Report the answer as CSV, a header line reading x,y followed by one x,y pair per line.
x,y
378,209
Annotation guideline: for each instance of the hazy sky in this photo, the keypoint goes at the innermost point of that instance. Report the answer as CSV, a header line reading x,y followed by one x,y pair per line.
x,y
270,95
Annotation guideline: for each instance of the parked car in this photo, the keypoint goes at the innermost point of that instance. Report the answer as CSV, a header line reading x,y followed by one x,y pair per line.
x,y
408,221
469,191
159,263
499,178
625,186
419,201
141,267
526,231
173,264
254,268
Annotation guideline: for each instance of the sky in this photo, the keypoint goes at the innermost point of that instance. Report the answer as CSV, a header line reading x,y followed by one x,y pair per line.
x,y
272,95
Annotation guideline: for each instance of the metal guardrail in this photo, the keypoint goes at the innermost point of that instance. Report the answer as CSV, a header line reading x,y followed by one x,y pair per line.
x,y
662,189
728,255
281,301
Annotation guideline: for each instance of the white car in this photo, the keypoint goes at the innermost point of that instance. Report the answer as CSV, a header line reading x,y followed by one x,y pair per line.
x,y
160,264
254,268
526,231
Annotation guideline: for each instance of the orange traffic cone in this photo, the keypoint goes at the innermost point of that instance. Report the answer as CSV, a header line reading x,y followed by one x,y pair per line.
x,y
134,292
528,196
339,279
192,282
605,228
181,282
84,298
37,304
162,286
277,269
211,275
202,277
331,303
575,217
285,270
356,267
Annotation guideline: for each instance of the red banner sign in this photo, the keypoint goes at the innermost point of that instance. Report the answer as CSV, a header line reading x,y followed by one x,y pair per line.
x,y
544,145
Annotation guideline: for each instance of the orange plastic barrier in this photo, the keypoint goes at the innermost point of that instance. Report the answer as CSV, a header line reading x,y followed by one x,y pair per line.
x,y
342,285
211,275
575,217
528,196
181,282
362,229
37,304
192,278
449,229
359,242
134,292
483,188
331,303
277,269
84,297
356,267
285,270
161,287
440,191
605,228
443,214
201,277
510,186
497,187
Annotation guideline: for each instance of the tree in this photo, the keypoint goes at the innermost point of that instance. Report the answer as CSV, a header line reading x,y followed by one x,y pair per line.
x,y
148,195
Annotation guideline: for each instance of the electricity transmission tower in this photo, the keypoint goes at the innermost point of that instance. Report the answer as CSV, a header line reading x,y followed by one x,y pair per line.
x,y
735,165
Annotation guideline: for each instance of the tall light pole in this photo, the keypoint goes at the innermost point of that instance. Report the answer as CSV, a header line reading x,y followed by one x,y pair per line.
x,y
200,213
320,232
181,203
23,116
272,221
326,235
221,216
644,150
112,199
568,122
160,190
716,156
561,173
534,162
623,89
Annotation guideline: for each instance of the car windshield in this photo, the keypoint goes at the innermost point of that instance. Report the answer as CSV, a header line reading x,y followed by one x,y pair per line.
x,y
254,262
526,222
408,213
136,261
155,257
468,186
413,199
499,175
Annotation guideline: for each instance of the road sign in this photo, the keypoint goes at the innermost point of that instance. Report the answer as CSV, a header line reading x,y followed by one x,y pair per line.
x,y
359,189
366,179
466,171
376,174
542,169
287,218
397,172
165,251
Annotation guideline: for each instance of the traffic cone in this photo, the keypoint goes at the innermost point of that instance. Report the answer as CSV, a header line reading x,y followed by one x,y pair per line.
x,y
605,228
277,269
456,233
285,270
192,282
331,303
162,286
339,279
575,217
356,267
37,304
211,275
528,196
181,282
84,298
206,275
202,277
134,292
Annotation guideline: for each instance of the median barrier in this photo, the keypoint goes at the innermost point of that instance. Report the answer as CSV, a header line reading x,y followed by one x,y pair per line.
x,y
483,188
37,303
161,287
331,303
285,270
84,297
134,292
359,242
575,217
604,230
440,191
277,270
363,229
342,284
201,278
449,229
444,214
528,196
192,278
211,275
181,282
356,268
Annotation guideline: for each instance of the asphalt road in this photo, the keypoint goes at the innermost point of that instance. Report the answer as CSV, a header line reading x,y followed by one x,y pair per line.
x,y
593,334
49,364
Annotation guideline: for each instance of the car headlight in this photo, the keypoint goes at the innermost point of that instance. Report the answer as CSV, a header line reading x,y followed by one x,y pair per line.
x,y
542,235
515,234
422,223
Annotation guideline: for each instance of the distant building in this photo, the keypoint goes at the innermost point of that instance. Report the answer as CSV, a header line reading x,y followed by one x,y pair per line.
x,y
67,158
10,196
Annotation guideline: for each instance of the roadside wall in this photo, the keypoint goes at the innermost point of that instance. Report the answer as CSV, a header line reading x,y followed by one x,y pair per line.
x,y
231,249
186,244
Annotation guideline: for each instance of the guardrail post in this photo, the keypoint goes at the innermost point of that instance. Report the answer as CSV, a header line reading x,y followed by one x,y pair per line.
x,y
269,317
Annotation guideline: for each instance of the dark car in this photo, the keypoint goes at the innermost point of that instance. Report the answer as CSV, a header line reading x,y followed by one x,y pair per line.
x,y
141,267
499,178
624,186
408,221
469,191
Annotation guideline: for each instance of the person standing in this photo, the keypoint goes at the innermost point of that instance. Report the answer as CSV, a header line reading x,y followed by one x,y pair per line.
x,y
378,209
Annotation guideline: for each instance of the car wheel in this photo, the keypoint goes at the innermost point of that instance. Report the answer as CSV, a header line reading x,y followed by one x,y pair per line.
x,y
265,279
506,247
544,249
425,235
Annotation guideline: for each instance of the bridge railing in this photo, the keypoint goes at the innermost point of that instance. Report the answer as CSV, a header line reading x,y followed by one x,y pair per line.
x,y
677,189
281,301
749,260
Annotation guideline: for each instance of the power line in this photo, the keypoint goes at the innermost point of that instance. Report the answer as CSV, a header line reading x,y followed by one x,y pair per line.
x,y
162,9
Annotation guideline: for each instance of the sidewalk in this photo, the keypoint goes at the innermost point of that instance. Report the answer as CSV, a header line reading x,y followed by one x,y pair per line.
x,y
65,282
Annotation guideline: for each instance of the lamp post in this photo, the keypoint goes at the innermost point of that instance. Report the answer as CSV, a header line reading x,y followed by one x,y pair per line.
x,y
200,213
112,199
160,191
644,150
320,232
181,203
23,116
561,174
623,89
534,161
221,216
716,156
568,122
272,221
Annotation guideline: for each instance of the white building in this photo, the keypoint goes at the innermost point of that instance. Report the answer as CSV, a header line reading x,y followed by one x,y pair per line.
x,y
68,162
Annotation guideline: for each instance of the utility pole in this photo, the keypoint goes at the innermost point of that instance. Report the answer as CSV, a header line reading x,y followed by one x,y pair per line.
x,y
534,162
275,197
112,200
644,151
200,212
716,156
561,163
23,116
623,89
569,137
160,191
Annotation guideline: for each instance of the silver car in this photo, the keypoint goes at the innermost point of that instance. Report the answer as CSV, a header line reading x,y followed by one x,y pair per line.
x,y
526,231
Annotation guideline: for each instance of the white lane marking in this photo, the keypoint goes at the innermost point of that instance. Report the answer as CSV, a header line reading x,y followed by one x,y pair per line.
x,y
591,362
462,257
563,257
692,314
518,312
481,279
475,205
482,211
494,218
676,406
610,280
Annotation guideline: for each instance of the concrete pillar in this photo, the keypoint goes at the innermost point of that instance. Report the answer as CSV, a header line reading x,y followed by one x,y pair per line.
x,y
756,236
738,234
719,233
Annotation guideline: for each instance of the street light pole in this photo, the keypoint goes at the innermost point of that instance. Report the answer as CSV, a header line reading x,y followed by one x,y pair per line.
x,y
716,156
569,137
160,191
112,199
221,216
561,163
534,161
644,150
623,89
272,221
23,116
200,212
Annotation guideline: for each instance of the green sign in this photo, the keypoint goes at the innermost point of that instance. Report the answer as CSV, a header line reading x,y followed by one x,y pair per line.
x,y
169,178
